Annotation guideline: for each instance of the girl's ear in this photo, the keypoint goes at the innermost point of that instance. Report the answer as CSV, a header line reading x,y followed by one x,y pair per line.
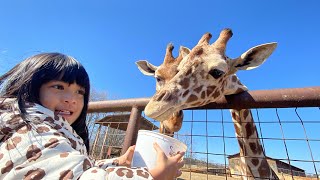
x,y
146,68
253,58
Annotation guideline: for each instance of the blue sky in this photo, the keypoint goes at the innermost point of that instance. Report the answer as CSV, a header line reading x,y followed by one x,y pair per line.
x,y
107,37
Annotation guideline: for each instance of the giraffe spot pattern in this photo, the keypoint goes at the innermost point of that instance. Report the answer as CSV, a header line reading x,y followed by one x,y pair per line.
x,y
198,89
185,83
245,113
216,94
255,161
189,72
192,98
256,147
249,130
253,147
203,94
210,89
264,170
218,48
185,93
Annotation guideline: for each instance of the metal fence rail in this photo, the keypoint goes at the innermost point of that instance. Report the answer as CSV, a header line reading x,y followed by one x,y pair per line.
x,y
279,98
262,99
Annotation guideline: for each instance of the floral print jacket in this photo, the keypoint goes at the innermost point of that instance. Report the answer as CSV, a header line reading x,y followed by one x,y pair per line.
x,y
46,147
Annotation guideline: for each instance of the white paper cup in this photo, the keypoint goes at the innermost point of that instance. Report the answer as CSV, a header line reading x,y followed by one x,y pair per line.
x,y
146,156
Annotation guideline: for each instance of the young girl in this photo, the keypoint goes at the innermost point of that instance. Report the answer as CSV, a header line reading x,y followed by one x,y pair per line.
x,y
43,133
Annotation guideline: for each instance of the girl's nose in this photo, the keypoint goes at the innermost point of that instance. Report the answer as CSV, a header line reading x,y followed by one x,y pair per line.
x,y
69,98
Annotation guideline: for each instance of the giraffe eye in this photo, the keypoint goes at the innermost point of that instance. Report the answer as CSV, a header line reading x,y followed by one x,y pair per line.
x,y
158,79
216,73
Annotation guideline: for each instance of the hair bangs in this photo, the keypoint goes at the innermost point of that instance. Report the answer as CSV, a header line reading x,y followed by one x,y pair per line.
x,y
67,69
75,74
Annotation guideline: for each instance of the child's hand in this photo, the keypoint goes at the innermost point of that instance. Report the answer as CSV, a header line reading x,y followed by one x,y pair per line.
x,y
126,159
167,168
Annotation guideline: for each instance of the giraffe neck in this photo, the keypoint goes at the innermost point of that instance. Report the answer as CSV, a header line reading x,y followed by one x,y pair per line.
x,y
253,162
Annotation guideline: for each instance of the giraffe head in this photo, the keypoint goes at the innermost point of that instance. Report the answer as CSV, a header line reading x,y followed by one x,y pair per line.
x,y
163,74
204,75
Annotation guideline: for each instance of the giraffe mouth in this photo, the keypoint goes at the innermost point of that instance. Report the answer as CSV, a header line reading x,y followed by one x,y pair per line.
x,y
159,113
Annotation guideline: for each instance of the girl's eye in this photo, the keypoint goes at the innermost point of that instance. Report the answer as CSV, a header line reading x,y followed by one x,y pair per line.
x,y
60,87
82,92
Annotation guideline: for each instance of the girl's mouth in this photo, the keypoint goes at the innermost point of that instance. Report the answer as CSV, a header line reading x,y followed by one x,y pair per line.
x,y
64,113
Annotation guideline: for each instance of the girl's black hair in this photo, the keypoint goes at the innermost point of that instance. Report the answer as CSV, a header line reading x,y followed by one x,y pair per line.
x,y
25,79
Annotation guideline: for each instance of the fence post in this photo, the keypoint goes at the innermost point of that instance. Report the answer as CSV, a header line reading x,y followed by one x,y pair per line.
x,y
95,142
132,129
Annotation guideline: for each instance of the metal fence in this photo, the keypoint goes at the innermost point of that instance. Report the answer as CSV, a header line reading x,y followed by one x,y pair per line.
x,y
287,120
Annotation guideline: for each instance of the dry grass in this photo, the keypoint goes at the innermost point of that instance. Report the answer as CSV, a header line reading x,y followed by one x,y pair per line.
x,y
201,176
288,177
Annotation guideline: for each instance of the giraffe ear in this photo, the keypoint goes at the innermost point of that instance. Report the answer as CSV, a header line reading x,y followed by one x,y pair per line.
x,y
254,57
146,68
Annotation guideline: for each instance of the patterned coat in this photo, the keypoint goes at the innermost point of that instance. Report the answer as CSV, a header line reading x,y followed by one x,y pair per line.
x,y
46,147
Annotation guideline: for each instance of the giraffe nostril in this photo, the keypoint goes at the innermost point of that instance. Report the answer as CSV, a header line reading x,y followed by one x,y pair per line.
x,y
159,96
167,96
163,96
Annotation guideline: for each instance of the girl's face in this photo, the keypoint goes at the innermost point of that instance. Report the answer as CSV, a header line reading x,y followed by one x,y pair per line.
x,y
64,99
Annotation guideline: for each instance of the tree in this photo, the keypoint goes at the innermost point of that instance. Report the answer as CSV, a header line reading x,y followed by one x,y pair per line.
x,y
102,137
